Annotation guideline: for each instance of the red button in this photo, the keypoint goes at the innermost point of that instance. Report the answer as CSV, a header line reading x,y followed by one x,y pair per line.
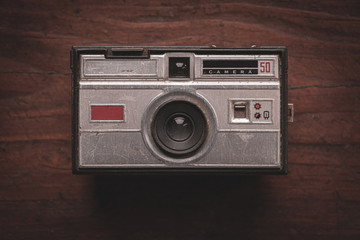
x,y
257,106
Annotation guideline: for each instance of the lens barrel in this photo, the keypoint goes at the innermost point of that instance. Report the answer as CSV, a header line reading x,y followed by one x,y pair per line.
x,y
179,128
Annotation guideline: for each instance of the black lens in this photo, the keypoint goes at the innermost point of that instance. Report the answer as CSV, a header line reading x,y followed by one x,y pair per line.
x,y
179,128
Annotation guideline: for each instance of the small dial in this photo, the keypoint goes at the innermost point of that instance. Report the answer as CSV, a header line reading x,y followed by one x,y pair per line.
x,y
257,105
257,115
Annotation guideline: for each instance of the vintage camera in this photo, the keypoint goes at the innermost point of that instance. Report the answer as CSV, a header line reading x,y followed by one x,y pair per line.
x,y
179,109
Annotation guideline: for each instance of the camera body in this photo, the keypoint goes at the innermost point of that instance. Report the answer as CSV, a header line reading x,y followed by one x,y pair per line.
x,y
179,109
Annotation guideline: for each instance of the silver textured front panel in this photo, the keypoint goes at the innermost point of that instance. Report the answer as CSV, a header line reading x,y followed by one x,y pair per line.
x,y
135,102
127,149
98,66
121,145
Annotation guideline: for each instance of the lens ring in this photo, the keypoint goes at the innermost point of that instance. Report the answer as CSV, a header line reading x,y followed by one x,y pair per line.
x,y
152,141
185,142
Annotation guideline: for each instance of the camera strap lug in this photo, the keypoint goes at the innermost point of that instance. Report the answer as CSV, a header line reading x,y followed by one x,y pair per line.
x,y
290,112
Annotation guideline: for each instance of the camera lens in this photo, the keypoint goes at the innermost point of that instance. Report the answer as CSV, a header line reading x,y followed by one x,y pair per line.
x,y
179,128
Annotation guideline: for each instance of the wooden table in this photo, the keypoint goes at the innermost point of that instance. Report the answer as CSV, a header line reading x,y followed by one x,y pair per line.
x,y
41,199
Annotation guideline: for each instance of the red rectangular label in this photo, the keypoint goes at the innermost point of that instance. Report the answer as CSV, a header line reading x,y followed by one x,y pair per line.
x,y
107,113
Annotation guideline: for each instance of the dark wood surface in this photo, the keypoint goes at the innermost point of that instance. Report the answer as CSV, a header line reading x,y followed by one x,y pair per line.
x,y
41,199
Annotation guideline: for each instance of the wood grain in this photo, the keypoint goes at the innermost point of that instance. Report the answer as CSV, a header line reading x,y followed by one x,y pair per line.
x,y
41,199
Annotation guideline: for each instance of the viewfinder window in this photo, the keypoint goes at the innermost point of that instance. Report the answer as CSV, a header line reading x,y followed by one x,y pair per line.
x,y
179,67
